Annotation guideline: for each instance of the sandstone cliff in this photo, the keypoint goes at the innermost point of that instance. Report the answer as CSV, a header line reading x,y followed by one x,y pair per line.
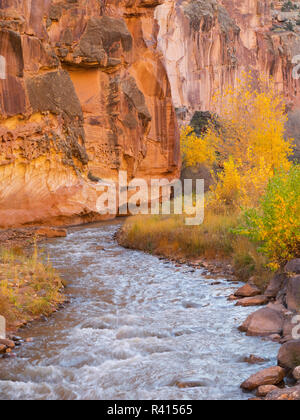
x,y
83,94
85,91
207,44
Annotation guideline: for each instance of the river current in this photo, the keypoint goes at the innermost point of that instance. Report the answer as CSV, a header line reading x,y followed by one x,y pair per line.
x,y
136,327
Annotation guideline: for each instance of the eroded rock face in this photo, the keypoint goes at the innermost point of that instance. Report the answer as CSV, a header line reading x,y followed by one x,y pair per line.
x,y
207,44
82,91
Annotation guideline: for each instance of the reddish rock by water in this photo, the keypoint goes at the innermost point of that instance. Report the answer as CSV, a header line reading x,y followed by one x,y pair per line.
x,y
289,355
270,376
263,322
248,291
264,390
253,301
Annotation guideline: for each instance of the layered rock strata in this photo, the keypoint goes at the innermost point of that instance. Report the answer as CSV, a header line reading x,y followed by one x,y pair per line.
x,y
83,95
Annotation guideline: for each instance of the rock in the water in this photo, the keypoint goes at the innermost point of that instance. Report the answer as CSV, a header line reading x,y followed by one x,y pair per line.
x,y
253,301
189,384
263,323
288,394
289,355
276,284
293,266
248,291
293,294
270,376
8,343
264,390
254,360
296,373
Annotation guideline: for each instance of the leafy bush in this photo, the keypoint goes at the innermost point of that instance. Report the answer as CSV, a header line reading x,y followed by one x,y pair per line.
x,y
195,149
275,225
246,146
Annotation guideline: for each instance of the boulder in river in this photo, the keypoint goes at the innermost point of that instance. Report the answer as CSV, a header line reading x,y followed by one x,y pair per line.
x,y
253,301
289,355
264,390
189,384
247,291
271,376
263,323
287,394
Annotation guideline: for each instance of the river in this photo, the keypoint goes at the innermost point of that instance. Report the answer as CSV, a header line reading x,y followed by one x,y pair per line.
x,y
136,326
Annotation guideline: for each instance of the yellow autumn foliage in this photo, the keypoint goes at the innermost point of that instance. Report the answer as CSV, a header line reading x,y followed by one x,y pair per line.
x,y
275,224
246,149
195,149
253,121
248,144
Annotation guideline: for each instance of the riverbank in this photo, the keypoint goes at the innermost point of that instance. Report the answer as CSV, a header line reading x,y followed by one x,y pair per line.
x,y
277,295
30,287
212,245
23,238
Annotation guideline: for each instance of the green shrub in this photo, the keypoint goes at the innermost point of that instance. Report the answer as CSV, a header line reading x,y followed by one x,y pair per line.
x,y
275,225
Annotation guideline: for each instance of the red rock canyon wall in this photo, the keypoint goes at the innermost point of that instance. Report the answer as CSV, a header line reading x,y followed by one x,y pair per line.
x,y
207,44
85,91
83,94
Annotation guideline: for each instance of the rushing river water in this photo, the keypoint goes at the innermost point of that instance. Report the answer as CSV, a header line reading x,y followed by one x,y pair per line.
x,y
135,327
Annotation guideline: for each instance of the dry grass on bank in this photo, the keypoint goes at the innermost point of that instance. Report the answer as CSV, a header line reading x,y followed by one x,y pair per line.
x,y
170,237
29,287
